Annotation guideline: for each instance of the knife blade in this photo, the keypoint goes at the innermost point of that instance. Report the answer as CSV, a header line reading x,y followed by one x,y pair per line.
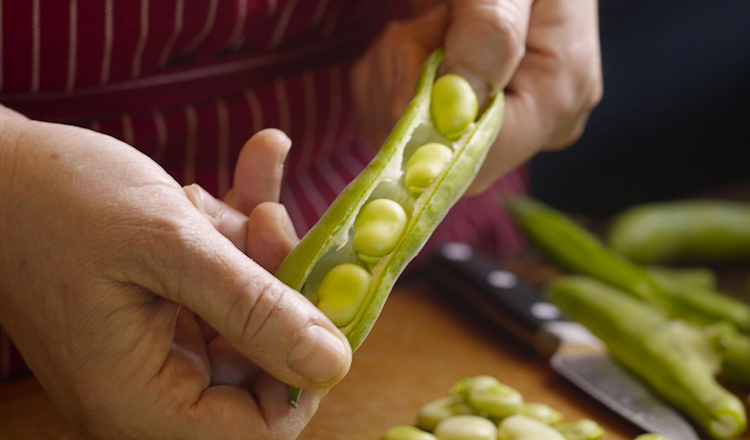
x,y
573,352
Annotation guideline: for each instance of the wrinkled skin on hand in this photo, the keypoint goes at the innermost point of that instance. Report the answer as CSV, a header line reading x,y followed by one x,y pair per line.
x,y
140,319
545,55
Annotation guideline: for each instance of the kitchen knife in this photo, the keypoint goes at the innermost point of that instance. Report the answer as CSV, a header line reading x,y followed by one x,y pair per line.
x,y
574,352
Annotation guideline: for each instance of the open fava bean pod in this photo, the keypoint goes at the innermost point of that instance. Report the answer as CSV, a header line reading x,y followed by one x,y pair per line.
x,y
350,259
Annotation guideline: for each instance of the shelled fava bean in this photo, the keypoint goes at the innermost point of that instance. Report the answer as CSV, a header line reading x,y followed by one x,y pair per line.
x,y
465,414
466,428
382,222
488,397
438,410
405,432
581,430
519,427
543,413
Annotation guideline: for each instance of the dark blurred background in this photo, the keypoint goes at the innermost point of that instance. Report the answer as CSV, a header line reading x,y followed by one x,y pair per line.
x,y
675,117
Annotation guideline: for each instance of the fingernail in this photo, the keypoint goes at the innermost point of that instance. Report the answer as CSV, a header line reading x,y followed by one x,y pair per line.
x,y
317,355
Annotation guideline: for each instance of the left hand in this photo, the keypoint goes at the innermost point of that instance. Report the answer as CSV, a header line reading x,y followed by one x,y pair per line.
x,y
544,54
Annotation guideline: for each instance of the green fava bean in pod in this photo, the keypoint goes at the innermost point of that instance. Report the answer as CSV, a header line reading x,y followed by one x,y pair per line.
x,y
454,105
466,428
425,165
440,409
643,340
378,228
330,242
584,429
691,230
520,427
342,291
406,432
488,397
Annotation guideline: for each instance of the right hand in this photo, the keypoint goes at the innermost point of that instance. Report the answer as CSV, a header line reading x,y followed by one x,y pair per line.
x,y
114,287
544,54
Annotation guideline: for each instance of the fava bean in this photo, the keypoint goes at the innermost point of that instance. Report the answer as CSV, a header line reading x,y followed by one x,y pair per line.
x,y
378,228
425,165
342,291
540,411
440,409
488,397
454,105
466,428
520,427
584,429
406,432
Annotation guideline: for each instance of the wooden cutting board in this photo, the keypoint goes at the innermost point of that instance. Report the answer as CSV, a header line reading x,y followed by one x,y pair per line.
x,y
421,345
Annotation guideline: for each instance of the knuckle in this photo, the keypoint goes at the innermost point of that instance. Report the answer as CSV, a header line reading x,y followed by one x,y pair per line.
x,y
251,313
503,22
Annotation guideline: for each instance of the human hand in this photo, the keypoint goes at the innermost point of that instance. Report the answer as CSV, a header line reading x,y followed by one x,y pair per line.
x,y
113,283
543,53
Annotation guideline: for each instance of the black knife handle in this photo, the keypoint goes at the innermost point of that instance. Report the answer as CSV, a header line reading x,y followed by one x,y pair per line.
x,y
492,289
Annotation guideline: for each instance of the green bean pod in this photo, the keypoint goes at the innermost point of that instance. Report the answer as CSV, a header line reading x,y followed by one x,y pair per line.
x,y
582,252
642,339
693,230
687,278
734,349
706,306
329,243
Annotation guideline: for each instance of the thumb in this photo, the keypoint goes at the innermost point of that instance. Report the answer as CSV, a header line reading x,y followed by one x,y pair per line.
x,y
486,41
271,324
